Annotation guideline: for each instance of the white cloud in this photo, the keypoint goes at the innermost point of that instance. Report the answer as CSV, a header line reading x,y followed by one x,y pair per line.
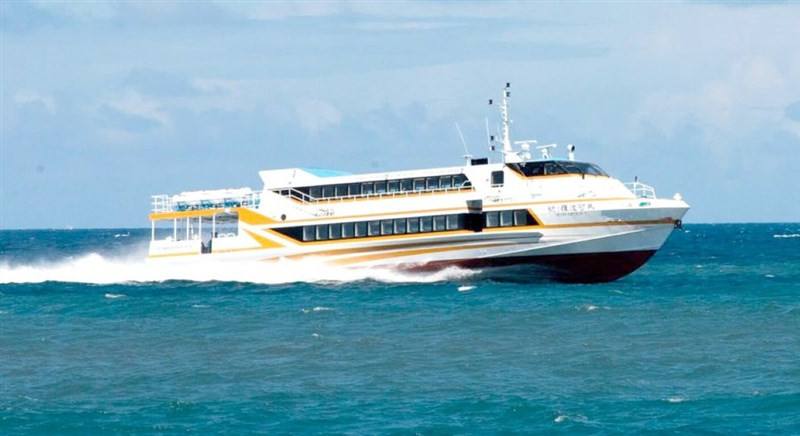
x,y
317,115
133,103
31,97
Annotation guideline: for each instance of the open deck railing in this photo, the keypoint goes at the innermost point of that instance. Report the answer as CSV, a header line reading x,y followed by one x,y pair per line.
x,y
177,203
305,198
640,190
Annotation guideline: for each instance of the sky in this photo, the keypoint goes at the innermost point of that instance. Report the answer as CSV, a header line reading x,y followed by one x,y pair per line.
x,y
106,103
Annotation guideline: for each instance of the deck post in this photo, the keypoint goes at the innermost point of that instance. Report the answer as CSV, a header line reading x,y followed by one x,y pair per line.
x,y
200,227
152,230
188,224
174,229
213,225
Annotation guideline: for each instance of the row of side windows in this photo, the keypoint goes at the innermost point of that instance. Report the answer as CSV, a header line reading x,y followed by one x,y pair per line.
x,y
400,226
387,186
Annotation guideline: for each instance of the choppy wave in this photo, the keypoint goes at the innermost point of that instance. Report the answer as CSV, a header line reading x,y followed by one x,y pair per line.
x,y
786,235
98,269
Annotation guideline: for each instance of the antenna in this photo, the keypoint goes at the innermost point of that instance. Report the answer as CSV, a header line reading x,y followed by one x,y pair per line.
x,y
467,156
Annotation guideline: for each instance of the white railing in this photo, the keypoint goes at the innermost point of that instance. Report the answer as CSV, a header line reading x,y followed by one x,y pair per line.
x,y
178,203
640,190
305,198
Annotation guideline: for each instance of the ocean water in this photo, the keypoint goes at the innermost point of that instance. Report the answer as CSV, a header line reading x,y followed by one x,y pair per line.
x,y
705,338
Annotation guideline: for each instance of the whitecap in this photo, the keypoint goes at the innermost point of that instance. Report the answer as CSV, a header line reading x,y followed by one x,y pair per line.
x,y
560,418
786,235
114,296
675,399
769,276
200,306
465,288
316,309
316,335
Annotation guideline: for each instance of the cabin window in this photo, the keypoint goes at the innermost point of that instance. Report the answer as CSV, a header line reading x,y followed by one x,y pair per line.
x,y
336,231
445,182
341,190
387,227
439,223
348,230
455,222
367,188
413,225
354,189
419,184
406,185
400,226
521,217
432,182
497,178
393,186
374,228
426,224
506,218
380,187
492,219
322,232
361,229
459,180
315,191
309,233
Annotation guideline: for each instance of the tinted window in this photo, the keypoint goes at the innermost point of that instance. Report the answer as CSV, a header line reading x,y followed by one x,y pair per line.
x,y
393,186
520,217
322,232
400,226
492,219
327,191
367,188
497,178
432,182
361,229
341,190
348,230
445,182
506,218
426,224
419,184
309,233
380,187
374,228
315,191
413,225
455,222
459,180
407,185
387,226
439,223
336,231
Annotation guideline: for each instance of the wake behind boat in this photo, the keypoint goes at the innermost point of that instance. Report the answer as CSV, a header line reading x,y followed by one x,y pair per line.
x,y
566,220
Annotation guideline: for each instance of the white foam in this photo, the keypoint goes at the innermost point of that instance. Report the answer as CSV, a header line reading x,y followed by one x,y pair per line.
x,y
97,269
675,399
560,418
317,309
465,288
114,296
200,306
787,235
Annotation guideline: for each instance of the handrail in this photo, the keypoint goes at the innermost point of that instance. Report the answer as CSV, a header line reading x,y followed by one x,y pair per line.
x,y
167,203
305,198
640,190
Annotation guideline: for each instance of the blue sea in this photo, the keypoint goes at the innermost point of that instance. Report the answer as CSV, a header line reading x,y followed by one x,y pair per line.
x,y
705,338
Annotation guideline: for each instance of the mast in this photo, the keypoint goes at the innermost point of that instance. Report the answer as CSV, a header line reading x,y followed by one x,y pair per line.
x,y
506,122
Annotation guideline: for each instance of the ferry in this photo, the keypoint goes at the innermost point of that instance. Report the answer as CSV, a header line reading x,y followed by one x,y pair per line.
x,y
524,217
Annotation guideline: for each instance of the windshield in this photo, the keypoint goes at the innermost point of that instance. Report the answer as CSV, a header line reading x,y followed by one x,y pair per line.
x,y
552,167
